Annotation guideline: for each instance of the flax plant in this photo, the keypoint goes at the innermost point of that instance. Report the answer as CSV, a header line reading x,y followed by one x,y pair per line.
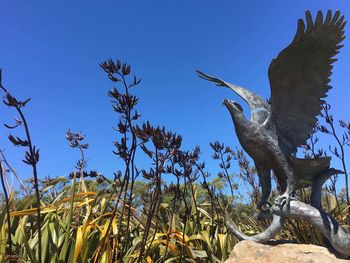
x,y
7,206
338,150
31,155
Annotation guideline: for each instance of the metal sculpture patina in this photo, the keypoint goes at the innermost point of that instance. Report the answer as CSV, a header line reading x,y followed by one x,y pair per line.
x,y
299,78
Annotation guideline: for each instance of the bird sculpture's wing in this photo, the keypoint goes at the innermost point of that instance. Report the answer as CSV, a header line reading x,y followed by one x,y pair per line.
x,y
299,78
259,107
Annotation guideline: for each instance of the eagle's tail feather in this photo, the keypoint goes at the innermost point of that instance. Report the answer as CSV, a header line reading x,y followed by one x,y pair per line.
x,y
307,170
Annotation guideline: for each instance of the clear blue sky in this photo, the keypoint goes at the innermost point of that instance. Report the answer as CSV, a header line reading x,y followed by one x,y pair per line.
x,y
50,51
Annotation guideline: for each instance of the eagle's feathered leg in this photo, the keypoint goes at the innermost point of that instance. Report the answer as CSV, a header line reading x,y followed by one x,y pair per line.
x,y
264,175
289,193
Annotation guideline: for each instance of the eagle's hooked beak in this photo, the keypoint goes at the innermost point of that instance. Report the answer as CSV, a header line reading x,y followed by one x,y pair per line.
x,y
232,106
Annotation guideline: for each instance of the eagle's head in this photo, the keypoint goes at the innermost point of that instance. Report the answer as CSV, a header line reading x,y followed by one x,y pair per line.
x,y
233,107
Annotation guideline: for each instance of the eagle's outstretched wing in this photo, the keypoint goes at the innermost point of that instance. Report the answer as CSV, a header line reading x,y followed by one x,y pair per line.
x,y
259,107
299,78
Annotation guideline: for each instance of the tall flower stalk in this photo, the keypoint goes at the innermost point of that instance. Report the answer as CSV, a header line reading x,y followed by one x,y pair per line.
x,y
342,141
31,155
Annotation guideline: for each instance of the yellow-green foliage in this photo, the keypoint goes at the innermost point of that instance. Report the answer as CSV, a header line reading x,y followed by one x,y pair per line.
x,y
86,238
74,229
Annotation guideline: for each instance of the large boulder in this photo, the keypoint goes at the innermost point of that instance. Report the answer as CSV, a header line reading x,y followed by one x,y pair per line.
x,y
252,252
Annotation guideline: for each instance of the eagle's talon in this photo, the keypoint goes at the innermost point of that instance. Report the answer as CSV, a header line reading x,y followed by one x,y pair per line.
x,y
283,200
264,206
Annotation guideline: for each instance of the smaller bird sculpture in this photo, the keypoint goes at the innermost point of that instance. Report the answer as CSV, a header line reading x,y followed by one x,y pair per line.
x,y
299,81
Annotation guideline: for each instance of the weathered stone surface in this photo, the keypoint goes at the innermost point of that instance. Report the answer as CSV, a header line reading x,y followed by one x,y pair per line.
x,y
252,252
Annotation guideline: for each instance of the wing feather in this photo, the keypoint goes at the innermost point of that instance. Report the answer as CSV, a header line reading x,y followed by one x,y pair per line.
x,y
259,108
299,78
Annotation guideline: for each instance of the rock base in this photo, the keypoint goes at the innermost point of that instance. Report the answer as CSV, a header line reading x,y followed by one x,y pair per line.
x,y
252,252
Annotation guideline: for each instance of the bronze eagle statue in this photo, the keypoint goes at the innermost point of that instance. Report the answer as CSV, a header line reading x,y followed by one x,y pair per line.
x,y
299,81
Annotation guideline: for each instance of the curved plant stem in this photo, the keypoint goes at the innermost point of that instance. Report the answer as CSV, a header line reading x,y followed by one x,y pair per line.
x,y
36,185
34,168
